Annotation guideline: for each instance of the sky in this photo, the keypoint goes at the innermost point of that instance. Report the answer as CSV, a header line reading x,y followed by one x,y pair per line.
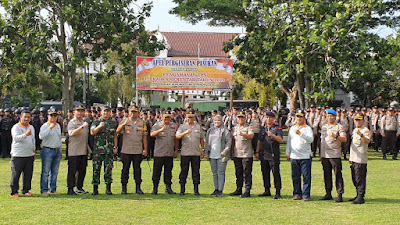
x,y
161,20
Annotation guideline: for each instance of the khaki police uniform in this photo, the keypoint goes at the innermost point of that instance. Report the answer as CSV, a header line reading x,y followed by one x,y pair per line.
x,y
164,152
132,149
358,159
331,151
243,157
190,152
390,128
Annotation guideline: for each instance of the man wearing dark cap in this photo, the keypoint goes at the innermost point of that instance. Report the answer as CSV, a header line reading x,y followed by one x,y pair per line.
x,y
390,129
105,147
78,151
165,149
332,137
6,124
298,152
243,155
358,157
134,147
50,134
192,138
269,154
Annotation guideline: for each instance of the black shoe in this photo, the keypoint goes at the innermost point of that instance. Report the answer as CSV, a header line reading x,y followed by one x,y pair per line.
x,y
352,199
265,194
344,157
182,192
219,194
169,190
138,189
215,192
326,197
71,191
246,194
339,198
196,190
81,191
359,200
384,156
237,192
278,194
95,190
108,189
124,189
155,189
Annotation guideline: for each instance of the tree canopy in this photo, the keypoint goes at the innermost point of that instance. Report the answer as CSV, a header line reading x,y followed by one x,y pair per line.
x,y
56,37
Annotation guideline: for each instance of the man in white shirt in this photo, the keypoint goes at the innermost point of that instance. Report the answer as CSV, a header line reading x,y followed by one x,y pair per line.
x,y
298,152
50,134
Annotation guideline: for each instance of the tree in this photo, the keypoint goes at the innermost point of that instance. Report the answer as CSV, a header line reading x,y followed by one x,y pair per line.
x,y
58,36
309,45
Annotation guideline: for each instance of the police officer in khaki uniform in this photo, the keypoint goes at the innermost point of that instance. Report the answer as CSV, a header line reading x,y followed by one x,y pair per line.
x,y
332,137
243,155
358,157
192,138
134,147
164,132
255,123
375,128
390,129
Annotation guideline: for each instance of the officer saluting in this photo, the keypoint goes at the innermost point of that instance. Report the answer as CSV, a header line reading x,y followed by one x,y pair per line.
x,y
243,155
164,132
105,147
268,153
390,128
134,147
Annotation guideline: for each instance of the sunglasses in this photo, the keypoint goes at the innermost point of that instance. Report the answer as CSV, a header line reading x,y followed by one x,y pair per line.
x,y
53,115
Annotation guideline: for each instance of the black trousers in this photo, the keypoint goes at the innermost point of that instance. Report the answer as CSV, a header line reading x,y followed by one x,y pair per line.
x,y
194,162
159,163
151,142
66,144
359,176
243,169
377,137
389,142
266,167
254,142
314,144
336,164
135,160
76,171
22,165
6,140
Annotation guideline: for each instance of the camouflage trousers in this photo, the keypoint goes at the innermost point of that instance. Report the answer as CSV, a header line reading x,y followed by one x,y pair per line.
x,y
108,166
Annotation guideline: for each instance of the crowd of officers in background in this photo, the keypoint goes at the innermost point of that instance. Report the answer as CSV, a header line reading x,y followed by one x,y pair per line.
x,y
251,131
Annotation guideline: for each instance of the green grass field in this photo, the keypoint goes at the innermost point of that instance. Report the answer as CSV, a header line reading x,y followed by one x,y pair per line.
x,y
382,200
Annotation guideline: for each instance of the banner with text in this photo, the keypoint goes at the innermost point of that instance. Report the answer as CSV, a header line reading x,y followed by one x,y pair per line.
x,y
203,74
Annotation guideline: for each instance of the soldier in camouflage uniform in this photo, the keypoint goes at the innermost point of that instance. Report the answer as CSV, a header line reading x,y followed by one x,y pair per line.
x,y
105,147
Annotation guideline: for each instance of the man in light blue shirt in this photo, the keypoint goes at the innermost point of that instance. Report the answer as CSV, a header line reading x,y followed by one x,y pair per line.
x,y
50,134
298,151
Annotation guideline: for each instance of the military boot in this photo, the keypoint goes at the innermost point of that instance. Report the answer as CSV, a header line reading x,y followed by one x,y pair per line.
x,y
71,191
95,190
339,198
138,189
277,194
155,189
124,189
359,200
169,190
182,189
246,194
196,190
108,189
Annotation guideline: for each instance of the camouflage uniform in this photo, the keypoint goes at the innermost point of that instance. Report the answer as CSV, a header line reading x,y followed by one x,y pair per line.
x,y
103,150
